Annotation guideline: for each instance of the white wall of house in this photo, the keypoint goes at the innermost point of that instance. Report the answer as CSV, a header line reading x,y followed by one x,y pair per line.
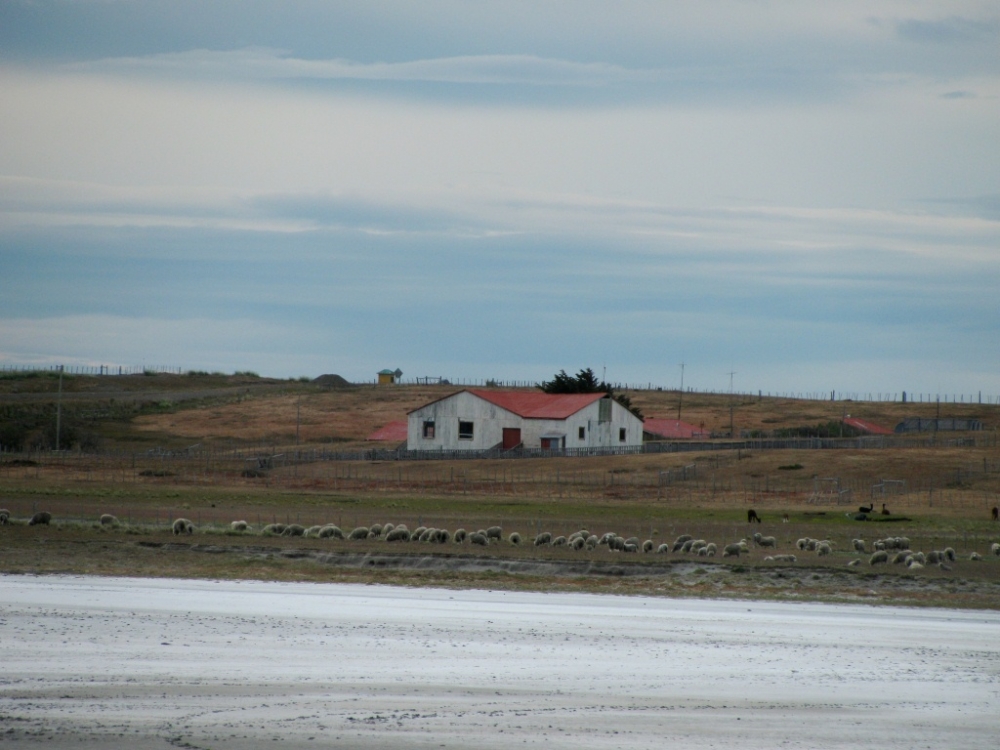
x,y
584,429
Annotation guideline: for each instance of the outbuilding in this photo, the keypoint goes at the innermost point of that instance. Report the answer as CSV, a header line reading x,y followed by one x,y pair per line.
x,y
532,420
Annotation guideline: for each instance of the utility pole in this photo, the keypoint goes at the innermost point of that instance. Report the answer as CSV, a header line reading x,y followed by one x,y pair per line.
x,y
59,408
298,403
732,433
680,399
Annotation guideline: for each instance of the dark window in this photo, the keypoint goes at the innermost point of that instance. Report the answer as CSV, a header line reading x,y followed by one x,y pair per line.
x,y
621,435
583,433
465,430
604,410
429,429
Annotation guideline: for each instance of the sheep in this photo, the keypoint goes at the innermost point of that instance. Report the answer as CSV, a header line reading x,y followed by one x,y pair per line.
x,y
975,557
801,543
514,538
108,520
994,548
854,563
427,534
933,557
732,550
859,545
398,534
914,565
559,541
579,543
40,518
920,557
330,531
294,529
663,549
823,549
312,531
359,533
630,547
879,557
764,541
461,535
647,546
273,529
686,547
479,539
443,536
949,554
899,558
234,526
617,544
494,532
417,532
543,538
607,537
592,541
680,541
181,526
702,551
781,558
4,516
744,547
375,531
632,540
387,528
698,544
710,549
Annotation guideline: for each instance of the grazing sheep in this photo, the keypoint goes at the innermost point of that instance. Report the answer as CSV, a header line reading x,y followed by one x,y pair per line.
x,y
702,551
744,547
854,563
752,516
859,545
878,544
782,558
443,536
630,547
899,558
4,516
480,539
41,517
108,520
801,543
427,534
387,528
273,529
359,533
494,532
647,546
312,531
592,541
417,532
398,534
579,543
949,554
698,544
914,565
235,525
632,540
765,541
375,531
607,537
879,557
617,544
975,557
711,549
933,557
823,549
920,557
663,549
183,526
686,547
732,550
461,535
680,541
330,531
294,529
559,541
995,548
514,537
544,538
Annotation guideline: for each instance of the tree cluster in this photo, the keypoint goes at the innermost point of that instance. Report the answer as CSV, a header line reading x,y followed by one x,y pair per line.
x,y
585,381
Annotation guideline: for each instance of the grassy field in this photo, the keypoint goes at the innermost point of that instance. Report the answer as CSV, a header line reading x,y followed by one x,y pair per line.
x,y
939,495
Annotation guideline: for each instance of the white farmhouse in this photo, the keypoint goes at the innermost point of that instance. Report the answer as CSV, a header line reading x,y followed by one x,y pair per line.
x,y
488,419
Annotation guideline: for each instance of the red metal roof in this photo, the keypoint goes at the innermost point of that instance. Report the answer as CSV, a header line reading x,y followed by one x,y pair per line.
x,y
672,428
538,405
393,432
870,427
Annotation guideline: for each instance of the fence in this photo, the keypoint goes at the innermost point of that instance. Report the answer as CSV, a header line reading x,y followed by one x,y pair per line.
x,y
93,369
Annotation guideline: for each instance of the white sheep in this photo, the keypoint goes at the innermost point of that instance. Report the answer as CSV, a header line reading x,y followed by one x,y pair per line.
x,y
578,543
294,529
854,563
647,546
273,529
398,534
764,541
879,557
494,532
514,538
361,532
823,548
859,545
330,531
375,531
559,541
543,538
182,526
710,549
108,520
630,547
239,526
312,531
479,538
994,548
732,550
663,549
975,557
461,535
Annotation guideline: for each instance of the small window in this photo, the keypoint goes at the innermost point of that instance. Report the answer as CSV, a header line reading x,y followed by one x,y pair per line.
x,y
583,433
465,430
429,429
621,435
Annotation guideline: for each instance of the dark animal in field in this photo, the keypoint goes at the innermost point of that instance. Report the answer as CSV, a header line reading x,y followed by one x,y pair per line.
x,y
885,511
869,509
752,516
41,517
996,513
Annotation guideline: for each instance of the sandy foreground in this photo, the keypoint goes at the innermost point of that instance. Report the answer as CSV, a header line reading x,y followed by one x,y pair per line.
x,y
110,662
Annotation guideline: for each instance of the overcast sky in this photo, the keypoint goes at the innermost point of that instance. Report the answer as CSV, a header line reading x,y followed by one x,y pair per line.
x,y
805,194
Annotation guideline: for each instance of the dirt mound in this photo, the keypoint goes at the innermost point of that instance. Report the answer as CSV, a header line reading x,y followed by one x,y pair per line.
x,y
331,381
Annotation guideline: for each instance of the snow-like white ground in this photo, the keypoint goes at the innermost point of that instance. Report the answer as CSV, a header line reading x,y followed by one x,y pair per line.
x,y
110,662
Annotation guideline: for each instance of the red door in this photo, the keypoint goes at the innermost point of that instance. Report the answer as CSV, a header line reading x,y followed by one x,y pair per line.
x,y
511,437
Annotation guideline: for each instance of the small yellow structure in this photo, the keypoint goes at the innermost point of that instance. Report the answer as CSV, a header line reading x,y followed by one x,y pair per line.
x,y
388,377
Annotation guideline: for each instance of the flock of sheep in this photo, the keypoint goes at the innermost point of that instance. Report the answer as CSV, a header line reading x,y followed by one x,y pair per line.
x,y
894,550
